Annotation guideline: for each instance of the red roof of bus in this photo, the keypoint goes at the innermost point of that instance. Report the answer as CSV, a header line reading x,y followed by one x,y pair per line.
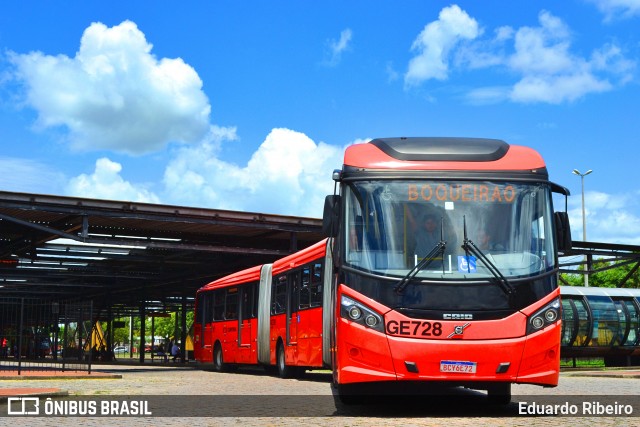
x,y
253,274
249,275
368,156
301,257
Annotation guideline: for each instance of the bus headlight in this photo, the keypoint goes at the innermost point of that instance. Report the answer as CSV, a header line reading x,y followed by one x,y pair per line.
x,y
544,317
360,314
537,322
371,321
354,312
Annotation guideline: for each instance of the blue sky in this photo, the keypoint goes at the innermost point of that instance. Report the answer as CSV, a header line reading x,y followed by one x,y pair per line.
x,y
249,105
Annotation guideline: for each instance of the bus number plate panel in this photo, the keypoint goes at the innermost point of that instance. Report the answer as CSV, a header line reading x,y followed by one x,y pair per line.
x,y
457,367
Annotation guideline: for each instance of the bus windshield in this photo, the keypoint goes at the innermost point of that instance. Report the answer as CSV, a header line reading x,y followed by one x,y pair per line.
x,y
392,225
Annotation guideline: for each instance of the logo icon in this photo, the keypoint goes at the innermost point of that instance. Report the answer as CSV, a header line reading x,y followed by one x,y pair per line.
x,y
467,264
458,330
23,406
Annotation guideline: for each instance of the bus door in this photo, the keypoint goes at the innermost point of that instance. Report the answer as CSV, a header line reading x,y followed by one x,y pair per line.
x,y
310,315
205,314
230,326
292,307
246,332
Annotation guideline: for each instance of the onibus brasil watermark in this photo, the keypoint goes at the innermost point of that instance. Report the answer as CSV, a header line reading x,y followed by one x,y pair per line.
x,y
81,407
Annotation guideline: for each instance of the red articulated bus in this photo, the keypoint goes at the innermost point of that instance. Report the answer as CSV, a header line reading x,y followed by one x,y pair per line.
x,y
269,315
440,268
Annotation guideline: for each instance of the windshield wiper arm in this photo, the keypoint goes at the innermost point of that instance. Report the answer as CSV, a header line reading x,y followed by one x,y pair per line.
x,y
470,247
424,262
438,249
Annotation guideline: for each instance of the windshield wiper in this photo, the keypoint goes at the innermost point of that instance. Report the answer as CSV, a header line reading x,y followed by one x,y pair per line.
x,y
438,249
470,247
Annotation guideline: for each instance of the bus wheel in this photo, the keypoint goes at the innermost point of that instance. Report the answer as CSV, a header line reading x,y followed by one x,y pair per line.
x,y
349,395
499,394
284,371
218,362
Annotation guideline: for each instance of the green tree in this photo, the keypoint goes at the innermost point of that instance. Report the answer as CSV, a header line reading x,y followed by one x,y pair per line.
x,y
609,275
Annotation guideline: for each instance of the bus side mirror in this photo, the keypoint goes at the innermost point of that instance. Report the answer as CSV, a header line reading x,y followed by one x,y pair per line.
x,y
331,216
563,231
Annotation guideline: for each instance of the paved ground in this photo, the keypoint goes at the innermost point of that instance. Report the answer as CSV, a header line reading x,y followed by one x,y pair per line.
x,y
272,397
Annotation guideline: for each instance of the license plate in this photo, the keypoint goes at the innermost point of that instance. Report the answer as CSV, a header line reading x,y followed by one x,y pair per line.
x,y
457,367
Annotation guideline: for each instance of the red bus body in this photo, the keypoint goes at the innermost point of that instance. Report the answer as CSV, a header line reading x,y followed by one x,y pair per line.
x,y
366,305
487,320
363,356
289,321
225,332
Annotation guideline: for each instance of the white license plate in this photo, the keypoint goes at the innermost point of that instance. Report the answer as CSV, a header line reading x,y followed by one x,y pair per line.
x,y
457,367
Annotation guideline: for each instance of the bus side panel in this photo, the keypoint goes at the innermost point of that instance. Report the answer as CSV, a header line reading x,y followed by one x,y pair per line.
x,y
247,347
310,337
197,342
541,357
254,341
229,334
362,355
207,347
279,333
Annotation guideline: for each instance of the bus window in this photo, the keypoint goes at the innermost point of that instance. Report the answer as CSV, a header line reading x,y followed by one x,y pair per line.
x,y
316,285
218,305
249,301
279,296
294,280
202,307
231,304
305,292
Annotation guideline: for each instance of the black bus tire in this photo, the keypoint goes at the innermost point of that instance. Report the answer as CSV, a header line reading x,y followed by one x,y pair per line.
x,y
218,361
284,371
499,394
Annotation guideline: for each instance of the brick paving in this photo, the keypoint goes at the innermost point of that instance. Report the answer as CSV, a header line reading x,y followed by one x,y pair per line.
x,y
168,381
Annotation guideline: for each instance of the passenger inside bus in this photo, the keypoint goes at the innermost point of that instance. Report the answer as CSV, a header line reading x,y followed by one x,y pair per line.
x,y
486,243
427,236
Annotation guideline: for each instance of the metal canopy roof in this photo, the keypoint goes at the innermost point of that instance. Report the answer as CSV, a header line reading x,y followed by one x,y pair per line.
x,y
121,254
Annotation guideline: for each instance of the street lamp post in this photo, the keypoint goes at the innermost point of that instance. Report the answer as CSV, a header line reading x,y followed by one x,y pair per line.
x,y
584,220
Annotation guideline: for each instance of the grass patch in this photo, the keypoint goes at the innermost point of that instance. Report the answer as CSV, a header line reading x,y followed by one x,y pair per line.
x,y
590,362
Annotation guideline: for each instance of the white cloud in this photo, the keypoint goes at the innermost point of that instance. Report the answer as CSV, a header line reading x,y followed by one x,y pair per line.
x,y
610,217
115,94
557,89
550,72
434,44
540,58
289,174
488,95
613,9
337,47
543,49
106,183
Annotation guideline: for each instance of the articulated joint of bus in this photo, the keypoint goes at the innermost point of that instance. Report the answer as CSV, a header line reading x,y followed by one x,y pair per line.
x,y
377,344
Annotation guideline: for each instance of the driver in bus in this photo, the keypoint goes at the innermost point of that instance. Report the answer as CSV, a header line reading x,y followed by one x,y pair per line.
x,y
485,242
428,236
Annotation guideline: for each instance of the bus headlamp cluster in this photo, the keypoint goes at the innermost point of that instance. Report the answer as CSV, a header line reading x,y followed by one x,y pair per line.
x,y
544,317
361,314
